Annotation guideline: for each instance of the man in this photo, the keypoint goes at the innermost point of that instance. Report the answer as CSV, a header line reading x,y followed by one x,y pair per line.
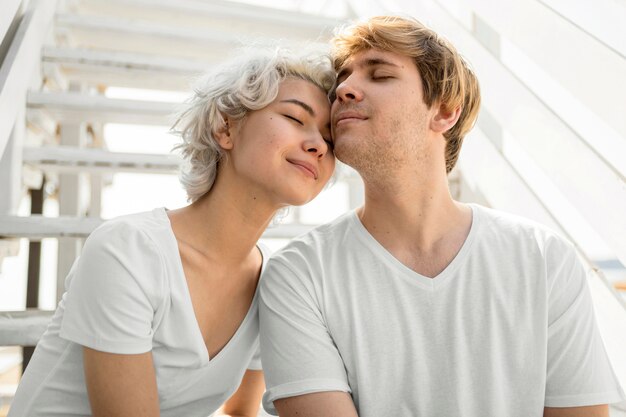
x,y
415,304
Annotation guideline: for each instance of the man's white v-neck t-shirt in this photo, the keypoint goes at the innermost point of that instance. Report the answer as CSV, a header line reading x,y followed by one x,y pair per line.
x,y
127,294
506,329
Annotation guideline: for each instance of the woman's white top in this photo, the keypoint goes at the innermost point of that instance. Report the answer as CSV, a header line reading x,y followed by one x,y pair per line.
x,y
127,294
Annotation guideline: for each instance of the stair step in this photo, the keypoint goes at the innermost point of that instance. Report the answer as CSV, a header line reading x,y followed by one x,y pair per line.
x,y
124,69
215,13
71,159
121,34
77,107
36,227
23,328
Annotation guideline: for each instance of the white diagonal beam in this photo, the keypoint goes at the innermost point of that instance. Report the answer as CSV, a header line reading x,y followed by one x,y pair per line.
x,y
600,87
9,11
20,63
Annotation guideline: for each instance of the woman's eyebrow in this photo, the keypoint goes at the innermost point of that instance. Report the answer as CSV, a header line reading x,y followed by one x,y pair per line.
x,y
297,102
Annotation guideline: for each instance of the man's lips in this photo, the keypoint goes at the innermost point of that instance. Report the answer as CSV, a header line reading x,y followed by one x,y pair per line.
x,y
348,116
306,167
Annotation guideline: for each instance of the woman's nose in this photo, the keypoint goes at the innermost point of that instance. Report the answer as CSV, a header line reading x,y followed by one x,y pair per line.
x,y
317,145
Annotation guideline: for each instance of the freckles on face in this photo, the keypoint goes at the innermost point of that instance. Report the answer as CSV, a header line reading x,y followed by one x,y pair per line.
x,y
306,110
282,147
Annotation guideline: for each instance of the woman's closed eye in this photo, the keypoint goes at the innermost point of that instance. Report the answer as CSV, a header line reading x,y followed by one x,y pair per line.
x,y
294,119
328,141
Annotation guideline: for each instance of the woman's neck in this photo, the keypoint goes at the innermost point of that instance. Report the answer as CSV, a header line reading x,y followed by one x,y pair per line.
x,y
224,224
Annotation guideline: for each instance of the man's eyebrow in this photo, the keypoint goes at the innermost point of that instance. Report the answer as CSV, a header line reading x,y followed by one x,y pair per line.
x,y
378,61
305,106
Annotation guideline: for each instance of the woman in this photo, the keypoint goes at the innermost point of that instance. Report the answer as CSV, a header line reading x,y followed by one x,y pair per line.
x,y
160,313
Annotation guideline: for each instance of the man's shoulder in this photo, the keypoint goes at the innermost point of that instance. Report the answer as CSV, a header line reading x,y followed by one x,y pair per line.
x,y
323,239
498,226
503,221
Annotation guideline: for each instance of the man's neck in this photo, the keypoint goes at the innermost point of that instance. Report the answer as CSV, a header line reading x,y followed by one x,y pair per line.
x,y
423,227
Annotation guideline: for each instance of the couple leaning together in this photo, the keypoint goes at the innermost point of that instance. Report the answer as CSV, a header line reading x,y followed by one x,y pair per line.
x,y
412,305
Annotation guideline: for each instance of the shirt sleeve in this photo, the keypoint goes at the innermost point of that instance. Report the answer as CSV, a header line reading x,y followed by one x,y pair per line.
x,y
113,292
579,372
299,355
255,362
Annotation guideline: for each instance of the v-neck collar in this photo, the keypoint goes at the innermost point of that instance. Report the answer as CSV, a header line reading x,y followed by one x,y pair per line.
x,y
206,360
426,282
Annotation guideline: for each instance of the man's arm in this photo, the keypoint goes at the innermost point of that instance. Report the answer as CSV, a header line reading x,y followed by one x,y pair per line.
x,y
319,404
303,368
246,400
121,385
589,411
579,371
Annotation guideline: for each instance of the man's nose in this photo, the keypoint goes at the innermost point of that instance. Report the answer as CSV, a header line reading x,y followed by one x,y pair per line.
x,y
348,90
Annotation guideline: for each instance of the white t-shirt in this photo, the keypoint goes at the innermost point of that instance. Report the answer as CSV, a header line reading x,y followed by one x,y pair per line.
x,y
127,294
506,329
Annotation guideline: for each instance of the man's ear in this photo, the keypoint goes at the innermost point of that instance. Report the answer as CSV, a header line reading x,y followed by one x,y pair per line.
x,y
444,119
224,134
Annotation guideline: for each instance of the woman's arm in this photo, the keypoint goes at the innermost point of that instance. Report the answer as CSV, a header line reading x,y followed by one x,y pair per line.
x,y
246,400
121,385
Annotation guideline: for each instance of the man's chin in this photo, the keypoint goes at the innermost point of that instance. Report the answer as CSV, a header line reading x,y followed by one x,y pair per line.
x,y
341,152
348,155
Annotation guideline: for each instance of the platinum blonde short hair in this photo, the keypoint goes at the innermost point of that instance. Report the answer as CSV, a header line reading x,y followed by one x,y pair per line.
x,y
247,83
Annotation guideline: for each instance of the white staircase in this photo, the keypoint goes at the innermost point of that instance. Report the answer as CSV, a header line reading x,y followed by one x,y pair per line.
x,y
62,57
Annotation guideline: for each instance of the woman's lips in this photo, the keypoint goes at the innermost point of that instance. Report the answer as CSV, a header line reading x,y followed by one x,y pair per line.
x,y
305,167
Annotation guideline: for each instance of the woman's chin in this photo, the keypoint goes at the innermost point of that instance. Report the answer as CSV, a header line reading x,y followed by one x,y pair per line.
x,y
299,199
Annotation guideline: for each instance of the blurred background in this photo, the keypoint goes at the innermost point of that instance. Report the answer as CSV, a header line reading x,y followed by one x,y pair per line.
x,y
88,89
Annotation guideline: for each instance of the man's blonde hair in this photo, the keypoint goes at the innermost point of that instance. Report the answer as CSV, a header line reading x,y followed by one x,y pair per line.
x,y
446,77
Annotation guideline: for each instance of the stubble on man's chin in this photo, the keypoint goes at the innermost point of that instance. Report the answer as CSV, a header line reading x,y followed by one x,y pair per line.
x,y
371,160
378,160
